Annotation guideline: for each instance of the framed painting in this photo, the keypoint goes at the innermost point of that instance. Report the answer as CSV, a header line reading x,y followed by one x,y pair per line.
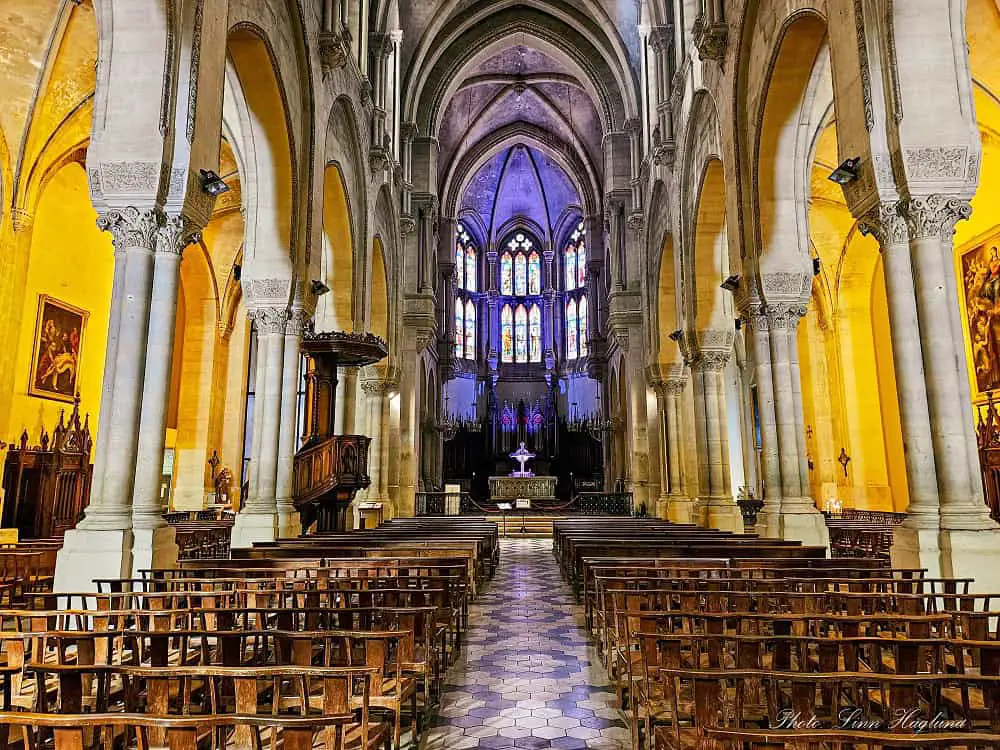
x,y
981,285
55,359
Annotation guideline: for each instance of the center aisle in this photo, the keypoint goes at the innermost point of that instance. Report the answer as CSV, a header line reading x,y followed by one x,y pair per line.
x,y
528,677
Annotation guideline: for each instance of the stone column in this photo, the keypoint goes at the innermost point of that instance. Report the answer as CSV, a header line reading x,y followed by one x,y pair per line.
x,y
769,520
680,507
289,521
258,521
639,437
153,544
720,509
101,545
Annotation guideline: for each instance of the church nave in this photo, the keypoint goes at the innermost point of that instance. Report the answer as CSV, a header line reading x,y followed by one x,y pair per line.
x,y
529,677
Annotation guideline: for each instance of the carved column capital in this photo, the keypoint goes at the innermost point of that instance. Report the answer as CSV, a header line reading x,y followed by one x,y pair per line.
x,y
710,38
298,319
21,219
661,38
713,360
177,232
132,227
407,225
785,317
333,50
934,215
674,386
885,222
374,387
269,320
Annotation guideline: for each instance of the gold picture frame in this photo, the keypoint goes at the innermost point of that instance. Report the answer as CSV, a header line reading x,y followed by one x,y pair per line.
x,y
57,350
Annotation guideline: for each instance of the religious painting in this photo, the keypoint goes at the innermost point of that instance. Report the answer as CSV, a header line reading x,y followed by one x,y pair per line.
x,y
55,361
981,278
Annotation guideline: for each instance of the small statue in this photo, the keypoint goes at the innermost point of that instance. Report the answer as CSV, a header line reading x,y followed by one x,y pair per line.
x,y
223,487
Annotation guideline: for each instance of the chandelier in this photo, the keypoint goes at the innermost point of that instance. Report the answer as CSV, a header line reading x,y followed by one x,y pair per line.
x,y
447,426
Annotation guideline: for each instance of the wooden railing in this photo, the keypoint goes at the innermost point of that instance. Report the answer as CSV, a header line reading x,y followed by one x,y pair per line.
x,y
585,503
862,533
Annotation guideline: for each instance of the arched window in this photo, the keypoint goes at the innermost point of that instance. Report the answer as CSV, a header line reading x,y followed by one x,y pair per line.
x,y
534,273
521,334
506,334
470,269
570,259
506,274
535,334
582,325
459,327
470,330
520,274
571,330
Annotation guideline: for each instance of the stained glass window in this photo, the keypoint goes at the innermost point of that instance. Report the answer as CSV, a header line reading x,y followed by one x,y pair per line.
x,y
506,334
581,264
470,330
521,334
571,332
470,269
535,334
582,315
534,273
570,256
459,327
520,274
506,274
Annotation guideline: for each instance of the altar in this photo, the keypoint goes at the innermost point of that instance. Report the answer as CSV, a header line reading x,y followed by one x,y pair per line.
x,y
522,483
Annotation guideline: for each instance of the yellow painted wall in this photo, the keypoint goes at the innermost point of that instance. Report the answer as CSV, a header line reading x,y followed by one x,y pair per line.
x,y
72,261
334,310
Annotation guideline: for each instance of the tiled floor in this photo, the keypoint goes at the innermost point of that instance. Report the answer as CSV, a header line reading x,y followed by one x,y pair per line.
x,y
528,677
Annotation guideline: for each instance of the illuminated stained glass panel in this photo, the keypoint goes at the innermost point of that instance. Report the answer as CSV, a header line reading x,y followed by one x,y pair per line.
x,y
520,274
470,330
582,315
506,334
521,334
534,273
571,331
535,334
459,267
459,327
570,258
506,274
581,264
470,269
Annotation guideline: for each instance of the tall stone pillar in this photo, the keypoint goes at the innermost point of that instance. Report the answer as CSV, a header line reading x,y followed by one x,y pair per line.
x,y
719,509
258,520
154,543
638,443
674,503
289,521
101,545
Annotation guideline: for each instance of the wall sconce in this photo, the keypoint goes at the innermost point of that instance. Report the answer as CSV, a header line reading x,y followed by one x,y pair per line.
x,y
212,184
731,284
847,172
318,287
675,335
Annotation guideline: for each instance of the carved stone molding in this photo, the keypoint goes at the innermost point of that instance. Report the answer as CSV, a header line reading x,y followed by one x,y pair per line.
x,y
375,387
333,50
711,39
674,386
269,320
934,215
176,233
267,290
786,284
885,223
407,225
930,163
713,360
866,78
636,221
785,317
664,154
120,177
661,38
132,227
755,317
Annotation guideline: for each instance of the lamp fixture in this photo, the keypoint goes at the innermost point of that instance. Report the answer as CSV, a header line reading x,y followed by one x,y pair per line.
x,y
817,264
676,335
731,284
847,172
318,287
212,184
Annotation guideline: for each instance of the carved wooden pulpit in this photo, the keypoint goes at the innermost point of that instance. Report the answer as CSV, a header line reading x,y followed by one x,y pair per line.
x,y
47,485
330,469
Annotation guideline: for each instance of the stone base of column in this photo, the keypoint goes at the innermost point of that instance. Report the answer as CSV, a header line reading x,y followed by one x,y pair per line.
x,y
88,554
406,501
914,547
769,520
804,523
724,514
972,554
679,509
153,548
289,522
253,527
